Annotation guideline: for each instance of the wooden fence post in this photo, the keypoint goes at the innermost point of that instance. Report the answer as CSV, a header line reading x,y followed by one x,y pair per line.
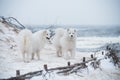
x,y
83,59
91,55
17,73
102,53
45,67
68,63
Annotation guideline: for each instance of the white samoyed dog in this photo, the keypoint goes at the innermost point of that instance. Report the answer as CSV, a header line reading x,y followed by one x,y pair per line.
x,y
68,43
25,44
59,32
40,38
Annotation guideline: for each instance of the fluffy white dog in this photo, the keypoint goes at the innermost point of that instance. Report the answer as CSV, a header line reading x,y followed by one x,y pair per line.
x,y
59,32
25,44
39,41
68,43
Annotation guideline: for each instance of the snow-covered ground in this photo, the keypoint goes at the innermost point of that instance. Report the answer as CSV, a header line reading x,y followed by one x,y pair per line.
x,y
11,59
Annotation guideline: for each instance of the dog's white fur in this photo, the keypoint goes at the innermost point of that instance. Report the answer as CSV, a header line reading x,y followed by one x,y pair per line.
x,y
39,40
59,32
25,44
68,43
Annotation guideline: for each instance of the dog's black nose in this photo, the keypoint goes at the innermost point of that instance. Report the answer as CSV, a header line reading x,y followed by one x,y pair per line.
x,y
71,35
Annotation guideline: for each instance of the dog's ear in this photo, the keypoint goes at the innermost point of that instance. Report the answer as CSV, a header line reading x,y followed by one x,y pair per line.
x,y
45,31
67,29
75,30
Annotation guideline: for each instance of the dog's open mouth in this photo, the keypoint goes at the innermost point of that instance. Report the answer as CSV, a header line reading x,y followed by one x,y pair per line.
x,y
47,38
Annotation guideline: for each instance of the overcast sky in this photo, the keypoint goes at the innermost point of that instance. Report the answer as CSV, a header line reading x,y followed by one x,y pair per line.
x,y
64,12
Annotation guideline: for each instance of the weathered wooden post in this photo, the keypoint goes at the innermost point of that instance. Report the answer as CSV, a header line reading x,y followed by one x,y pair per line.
x,y
91,55
84,64
83,59
45,67
68,63
17,73
102,53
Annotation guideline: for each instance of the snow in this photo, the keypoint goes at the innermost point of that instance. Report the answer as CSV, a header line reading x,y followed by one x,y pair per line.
x,y
95,42
11,59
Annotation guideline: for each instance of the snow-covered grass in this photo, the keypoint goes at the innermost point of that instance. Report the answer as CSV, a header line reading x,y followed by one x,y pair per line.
x,y
11,59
